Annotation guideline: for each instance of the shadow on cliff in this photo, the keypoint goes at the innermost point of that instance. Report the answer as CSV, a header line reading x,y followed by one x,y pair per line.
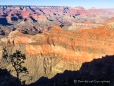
x,y
99,72
6,79
3,21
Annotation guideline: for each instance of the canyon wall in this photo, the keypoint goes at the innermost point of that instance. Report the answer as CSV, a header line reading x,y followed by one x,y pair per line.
x,y
58,50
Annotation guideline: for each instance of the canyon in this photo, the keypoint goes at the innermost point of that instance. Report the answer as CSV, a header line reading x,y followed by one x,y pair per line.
x,y
55,38
36,19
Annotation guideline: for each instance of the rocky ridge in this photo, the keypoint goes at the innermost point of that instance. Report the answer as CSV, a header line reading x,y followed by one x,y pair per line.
x,y
37,19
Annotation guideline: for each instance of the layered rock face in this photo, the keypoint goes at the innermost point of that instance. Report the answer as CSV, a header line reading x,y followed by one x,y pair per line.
x,y
37,19
58,50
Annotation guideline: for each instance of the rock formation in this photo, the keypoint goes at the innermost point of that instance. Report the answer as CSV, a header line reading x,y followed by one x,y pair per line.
x,y
48,16
58,50
55,39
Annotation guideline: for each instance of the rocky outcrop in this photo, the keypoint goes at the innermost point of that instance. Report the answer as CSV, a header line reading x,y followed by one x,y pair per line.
x,y
58,50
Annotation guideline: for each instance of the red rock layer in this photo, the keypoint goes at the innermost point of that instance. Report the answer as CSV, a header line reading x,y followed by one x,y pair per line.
x,y
81,45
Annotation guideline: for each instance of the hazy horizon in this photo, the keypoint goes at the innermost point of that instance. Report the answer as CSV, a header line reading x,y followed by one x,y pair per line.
x,y
73,3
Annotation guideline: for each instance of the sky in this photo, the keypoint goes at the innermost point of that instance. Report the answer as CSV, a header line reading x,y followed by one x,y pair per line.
x,y
73,3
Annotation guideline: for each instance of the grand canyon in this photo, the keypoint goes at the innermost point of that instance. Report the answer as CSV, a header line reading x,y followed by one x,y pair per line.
x,y
59,42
